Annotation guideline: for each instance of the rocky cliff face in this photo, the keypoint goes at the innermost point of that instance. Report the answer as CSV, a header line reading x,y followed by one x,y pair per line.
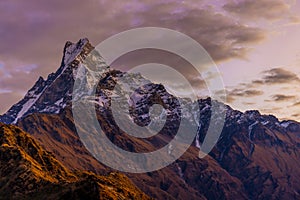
x,y
256,157
54,93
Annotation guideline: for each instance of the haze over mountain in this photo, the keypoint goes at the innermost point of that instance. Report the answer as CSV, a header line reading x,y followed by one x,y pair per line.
x,y
256,157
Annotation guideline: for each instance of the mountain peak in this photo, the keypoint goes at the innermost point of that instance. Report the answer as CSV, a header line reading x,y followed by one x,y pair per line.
x,y
80,41
73,50
54,93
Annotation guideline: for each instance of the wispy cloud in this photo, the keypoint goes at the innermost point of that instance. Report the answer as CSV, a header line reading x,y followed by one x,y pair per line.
x,y
245,92
297,104
279,75
242,93
261,9
4,91
282,97
275,76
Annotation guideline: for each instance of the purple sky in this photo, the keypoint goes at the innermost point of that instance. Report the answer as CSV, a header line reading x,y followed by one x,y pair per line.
x,y
254,42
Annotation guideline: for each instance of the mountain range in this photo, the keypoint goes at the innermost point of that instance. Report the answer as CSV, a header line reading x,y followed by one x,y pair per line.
x,y
42,156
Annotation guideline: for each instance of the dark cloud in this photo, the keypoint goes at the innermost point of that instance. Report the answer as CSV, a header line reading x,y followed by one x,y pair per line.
x,y
275,76
294,20
266,85
249,103
257,82
296,104
245,93
270,110
222,37
261,9
234,94
279,75
230,99
281,97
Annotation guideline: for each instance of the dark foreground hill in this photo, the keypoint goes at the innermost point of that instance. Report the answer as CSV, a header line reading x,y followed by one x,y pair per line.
x,y
27,171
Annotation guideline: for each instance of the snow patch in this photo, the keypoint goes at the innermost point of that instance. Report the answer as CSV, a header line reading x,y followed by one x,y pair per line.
x,y
197,142
250,128
180,171
25,108
73,51
58,103
265,123
285,124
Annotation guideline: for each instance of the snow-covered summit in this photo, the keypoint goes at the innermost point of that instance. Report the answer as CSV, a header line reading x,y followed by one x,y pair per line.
x,y
54,93
71,50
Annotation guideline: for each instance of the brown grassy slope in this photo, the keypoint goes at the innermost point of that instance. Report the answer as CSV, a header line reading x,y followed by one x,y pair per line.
x,y
201,178
27,171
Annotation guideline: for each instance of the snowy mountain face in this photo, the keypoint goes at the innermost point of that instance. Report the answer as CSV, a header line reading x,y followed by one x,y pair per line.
x,y
52,95
55,93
